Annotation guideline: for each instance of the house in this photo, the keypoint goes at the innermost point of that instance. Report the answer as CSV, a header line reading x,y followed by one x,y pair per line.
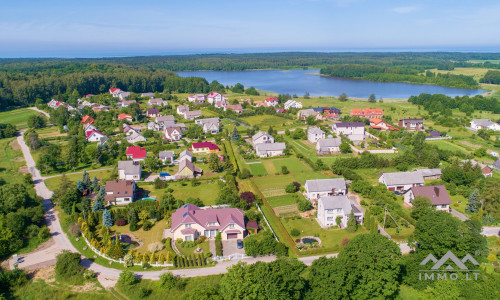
x,y
204,147
355,131
292,104
314,134
190,222
221,104
120,192
125,103
379,124
94,135
412,124
329,145
332,207
128,130
173,133
198,98
191,115
487,172
152,112
162,122
262,137
136,153
87,120
280,110
129,170
332,116
88,127
401,181
123,95
487,124
436,193
273,101
367,113
430,174
260,104
186,155
304,113
100,107
210,125
157,102
115,92
213,97
150,95
182,109
167,157
315,189
54,104
187,170
136,137
236,108
270,149
125,117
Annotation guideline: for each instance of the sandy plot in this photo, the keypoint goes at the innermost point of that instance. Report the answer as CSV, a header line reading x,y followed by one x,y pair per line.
x,y
14,145
469,144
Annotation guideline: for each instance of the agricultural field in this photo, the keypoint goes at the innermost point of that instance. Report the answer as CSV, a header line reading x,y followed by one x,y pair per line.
x,y
17,117
446,145
11,161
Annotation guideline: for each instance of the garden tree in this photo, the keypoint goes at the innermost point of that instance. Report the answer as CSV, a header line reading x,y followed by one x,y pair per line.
x,y
343,97
152,163
291,188
311,120
68,199
368,267
248,197
235,135
251,91
284,170
127,278
271,131
281,278
7,131
474,203
210,292
86,179
107,220
238,88
244,173
345,147
72,157
128,260
32,139
491,197
11,281
68,268
421,206
169,282
98,203
214,162
132,220
135,111
304,205
352,225
372,98
36,121
94,186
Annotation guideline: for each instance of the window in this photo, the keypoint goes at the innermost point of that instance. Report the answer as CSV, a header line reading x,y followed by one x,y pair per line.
x,y
231,226
329,219
212,224
187,238
187,226
329,211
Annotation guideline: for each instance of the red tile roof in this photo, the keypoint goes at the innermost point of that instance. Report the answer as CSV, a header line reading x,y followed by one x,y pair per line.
x,y
114,90
136,152
87,120
89,133
190,213
208,145
436,193
272,99
124,116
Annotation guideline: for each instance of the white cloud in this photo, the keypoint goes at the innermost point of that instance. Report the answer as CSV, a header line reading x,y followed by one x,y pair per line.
x,y
405,9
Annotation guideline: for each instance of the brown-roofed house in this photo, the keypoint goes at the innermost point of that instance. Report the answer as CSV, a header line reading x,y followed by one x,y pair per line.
x,y
252,226
436,193
487,171
120,192
152,112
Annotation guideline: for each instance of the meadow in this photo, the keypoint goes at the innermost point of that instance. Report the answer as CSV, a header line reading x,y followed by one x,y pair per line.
x,y
17,117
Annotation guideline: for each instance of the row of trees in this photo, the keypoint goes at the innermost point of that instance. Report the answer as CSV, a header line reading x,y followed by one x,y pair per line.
x,y
439,103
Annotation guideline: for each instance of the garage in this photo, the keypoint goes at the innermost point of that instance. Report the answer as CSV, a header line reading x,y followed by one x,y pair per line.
x,y
232,236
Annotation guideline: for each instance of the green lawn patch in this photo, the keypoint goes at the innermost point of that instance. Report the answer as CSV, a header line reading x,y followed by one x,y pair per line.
x,y
17,117
292,163
53,183
273,181
281,200
155,234
191,251
10,161
257,169
207,190
447,145
264,121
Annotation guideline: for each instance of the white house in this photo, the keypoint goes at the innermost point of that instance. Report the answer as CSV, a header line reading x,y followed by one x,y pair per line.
x,y
314,134
198,98
272,101
94,135
402,181
120,192
191,115
210,125
167,157
270,149
173,133
213,97
487,124
355,131
262,137
135,137
329,145
437,194
315,189
332,207
157,101
129,170
292,104
182,109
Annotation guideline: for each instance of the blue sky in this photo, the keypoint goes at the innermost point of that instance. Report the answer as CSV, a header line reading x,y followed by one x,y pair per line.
x,y
91,28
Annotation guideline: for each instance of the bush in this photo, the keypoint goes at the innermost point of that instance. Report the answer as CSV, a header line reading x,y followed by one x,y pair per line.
x,y
218,244
68,268
304,205
44,233
121,222
88,274
155,247
168,281
188,244
295,232
200,240
284,170
291,188
144,292
147,225
75,229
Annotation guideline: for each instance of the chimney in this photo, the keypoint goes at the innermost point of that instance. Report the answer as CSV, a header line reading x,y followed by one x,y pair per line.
x,y
436,191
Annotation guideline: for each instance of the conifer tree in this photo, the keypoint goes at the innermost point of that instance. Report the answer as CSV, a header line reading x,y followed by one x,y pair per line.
x,y
107,220
352,225
86,179
474,202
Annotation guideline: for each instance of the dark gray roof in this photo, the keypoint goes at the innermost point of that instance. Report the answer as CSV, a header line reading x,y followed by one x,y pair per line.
x,y
330,142
349,124
322,185
334,202
430,172
166,154
403,178
264,147
129,167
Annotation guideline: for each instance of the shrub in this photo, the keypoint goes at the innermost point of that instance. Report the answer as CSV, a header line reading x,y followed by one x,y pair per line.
x,y
200,240
144,292
345,241
75,229
304,205
121,222
168,281
155,247
146,225
88,274
284,170
295,232
291,188
188,244
68,268
44,233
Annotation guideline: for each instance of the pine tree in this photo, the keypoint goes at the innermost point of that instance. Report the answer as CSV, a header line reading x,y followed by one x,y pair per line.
x,y
80,186
132,220
474,202
152,258
86,180
107,220
99,200
352,225
95,184
235,136
368,220
161,258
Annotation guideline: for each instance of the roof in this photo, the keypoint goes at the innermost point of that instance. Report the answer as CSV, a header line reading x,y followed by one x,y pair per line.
x,y
166,154
264,147
330,142
193,113
208,145
482,122
147,95
168,118
135,137
136,152
260,134
188,231
213,94
412,120
186,153
367,111
252,224
91,132
120,188
186,163
403,178
349,124
434,133
207,120
335,202
171,130
436,193
114,90
430,172
153,110
486,170
307,112
129,167
321,185
376,121
234,107
272,99
315,130
190,214
87,119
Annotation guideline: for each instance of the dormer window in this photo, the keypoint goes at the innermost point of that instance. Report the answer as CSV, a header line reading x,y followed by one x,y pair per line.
x,y
212,224
187,226
231,226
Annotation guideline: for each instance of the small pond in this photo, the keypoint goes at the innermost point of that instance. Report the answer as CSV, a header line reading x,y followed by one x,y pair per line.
x,y
129,240
310,240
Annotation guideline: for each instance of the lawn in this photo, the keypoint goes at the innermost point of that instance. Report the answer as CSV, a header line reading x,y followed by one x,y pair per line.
x,y
17,117
53,183
50,132
39,289
272,181
190,251
258,169
264,121
403,234
292,163
207,191
447,145
459,203
281,200
372,175
155,234
10,161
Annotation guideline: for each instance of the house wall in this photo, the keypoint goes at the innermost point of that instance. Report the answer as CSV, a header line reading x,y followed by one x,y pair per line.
x,y
329,219
316,195
201,231
185,172
313,138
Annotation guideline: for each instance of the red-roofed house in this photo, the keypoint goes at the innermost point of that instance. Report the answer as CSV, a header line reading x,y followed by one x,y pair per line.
x,y
87,120
190,222
94,135
125,117
115,92
379,124
213,97
273,101
437,194
236,108
367,113
136,153
487,171
204,147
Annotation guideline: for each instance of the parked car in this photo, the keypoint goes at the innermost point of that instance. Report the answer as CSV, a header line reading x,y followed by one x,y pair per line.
x,y
397,192
239,244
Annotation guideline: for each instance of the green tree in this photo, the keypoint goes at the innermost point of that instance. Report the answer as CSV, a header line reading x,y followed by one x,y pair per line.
x,y
284,170
238,88
352,225
132,220
372,98
345,147
474,203
32,139
99,200
68,268
86,180
36,121
421,206
491,197
127,278
214,162
235,135
343,97
107,220
311,120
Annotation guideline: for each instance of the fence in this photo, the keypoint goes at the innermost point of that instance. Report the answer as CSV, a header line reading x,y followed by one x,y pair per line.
x,y
438,138
267,222
233,256
393,150
121,261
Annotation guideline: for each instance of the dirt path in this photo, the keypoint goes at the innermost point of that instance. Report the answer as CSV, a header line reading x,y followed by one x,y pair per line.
x,y
40,111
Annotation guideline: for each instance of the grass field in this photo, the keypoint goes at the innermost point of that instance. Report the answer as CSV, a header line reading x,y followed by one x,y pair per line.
x,y
292,163
281,200
53,183
446,145
257,169
39,289
10,161
264,121
49,132
17,117
477,73
206,191
189,251
280,181
155,234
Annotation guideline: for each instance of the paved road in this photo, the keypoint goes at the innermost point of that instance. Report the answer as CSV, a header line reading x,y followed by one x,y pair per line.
x,y
491,231
459,215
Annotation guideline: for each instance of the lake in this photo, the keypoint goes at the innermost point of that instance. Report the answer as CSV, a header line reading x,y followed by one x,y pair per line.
x,y
301,81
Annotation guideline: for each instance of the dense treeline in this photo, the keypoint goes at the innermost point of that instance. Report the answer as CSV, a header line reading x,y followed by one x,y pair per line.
x,y
408,73
440,104
491,77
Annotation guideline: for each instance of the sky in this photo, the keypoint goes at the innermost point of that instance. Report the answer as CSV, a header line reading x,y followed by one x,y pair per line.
x,y
89,28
